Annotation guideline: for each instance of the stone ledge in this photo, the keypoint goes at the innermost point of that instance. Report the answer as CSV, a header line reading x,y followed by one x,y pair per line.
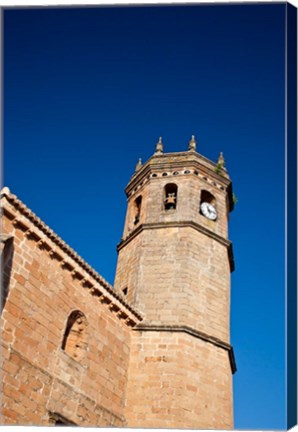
x,y
196,333
184,224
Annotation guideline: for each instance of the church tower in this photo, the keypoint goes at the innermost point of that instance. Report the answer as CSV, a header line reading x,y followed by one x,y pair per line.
x,y
174,265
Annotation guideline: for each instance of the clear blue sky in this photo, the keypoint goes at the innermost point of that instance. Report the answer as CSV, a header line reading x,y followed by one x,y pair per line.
x,y
89,91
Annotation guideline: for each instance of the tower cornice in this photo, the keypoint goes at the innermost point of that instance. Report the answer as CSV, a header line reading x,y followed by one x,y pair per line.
x,y
182,224
172,162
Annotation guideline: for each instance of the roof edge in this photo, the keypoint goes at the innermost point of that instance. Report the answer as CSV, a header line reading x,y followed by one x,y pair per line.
x,y
50,234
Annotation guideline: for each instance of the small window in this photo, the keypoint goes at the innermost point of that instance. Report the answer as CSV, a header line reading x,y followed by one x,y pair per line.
x,y
170,196
137,210
6,257
56,419
125,291
60,423
75,337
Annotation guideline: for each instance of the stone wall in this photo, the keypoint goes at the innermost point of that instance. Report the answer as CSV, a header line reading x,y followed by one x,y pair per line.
x,y
46,378
177,275
176,380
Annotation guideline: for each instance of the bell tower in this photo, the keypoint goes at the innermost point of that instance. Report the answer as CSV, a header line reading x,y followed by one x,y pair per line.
x,y
174,265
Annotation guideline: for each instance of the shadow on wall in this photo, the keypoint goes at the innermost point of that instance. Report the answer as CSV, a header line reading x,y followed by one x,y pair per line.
x,y
7,251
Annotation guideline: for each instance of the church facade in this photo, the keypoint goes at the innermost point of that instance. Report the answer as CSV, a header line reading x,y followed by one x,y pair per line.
x,y
151,351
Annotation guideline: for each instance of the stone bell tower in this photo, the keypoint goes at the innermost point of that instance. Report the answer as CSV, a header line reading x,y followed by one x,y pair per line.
x,y
174,265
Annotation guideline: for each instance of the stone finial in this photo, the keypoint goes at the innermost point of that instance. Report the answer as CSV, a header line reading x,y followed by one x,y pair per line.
x,y
159,147
221,160
192,145
139,165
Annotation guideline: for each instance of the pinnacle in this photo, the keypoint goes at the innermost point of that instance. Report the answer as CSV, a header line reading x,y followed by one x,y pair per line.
x,y
159,147
139,165
221,160
192,145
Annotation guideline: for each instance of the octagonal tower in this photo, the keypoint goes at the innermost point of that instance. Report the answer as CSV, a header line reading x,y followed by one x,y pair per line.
x,y
174,264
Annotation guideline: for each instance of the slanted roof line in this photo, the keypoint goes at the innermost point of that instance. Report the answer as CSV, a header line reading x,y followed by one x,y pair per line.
x,y
49,233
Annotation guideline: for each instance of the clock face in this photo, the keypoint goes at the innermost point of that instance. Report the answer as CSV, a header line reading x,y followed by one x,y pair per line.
x,y
209,211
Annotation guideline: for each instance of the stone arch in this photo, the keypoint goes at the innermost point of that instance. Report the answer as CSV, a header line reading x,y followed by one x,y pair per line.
x,y
207,196
74,341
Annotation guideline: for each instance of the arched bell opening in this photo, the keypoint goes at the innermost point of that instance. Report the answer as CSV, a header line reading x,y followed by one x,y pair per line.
x,y
208,205
170,196
137,209
206,196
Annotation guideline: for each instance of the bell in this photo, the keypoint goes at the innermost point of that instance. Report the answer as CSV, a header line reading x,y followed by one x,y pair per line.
x,y
170,201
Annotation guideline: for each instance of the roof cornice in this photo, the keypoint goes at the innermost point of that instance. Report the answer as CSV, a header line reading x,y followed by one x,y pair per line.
x,y
47,239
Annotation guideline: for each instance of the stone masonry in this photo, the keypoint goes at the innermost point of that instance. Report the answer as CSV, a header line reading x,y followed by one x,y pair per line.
x,y
42,382
152,351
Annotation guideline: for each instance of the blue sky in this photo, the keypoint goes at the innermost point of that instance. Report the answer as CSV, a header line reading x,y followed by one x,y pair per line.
x,y
89,91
